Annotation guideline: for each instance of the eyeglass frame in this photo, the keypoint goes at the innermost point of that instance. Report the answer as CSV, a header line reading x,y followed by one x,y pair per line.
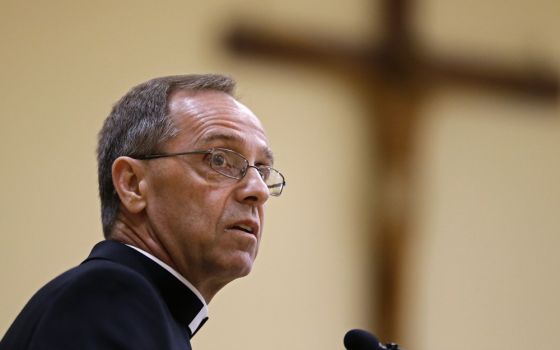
x,y
212,150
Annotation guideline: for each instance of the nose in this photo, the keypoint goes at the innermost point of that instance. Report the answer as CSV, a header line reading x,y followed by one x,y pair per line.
x,y
252,189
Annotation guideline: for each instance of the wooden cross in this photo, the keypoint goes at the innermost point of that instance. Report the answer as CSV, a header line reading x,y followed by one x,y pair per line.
x,y
393,75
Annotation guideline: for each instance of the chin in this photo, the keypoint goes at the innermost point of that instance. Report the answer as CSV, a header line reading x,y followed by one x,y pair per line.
x,y
241,265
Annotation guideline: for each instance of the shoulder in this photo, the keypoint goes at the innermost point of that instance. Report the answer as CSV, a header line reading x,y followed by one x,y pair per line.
x,y
103,276
95,281
102,289
99,304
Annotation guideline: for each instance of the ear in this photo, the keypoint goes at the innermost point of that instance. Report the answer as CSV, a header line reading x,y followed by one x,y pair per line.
x,y
130,183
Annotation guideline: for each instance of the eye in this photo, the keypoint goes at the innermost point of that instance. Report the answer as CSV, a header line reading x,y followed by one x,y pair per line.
x,y
218,160
228,163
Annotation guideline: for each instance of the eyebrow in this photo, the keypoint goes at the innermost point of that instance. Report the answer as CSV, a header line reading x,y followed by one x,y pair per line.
x,y
236,139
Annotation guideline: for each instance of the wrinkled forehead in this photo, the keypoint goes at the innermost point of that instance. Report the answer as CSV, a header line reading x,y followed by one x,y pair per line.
x,y
207,117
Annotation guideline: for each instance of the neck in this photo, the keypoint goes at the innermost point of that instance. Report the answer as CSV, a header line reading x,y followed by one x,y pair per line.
x,y
127,231
131,232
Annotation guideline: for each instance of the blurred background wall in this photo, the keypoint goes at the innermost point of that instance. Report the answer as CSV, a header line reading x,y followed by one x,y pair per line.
x,y
484,268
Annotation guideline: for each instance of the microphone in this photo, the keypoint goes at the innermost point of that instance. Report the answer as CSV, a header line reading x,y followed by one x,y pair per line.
x,y
357,339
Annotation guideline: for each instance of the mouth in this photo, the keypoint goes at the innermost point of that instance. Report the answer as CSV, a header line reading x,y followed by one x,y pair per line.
x,y
244,227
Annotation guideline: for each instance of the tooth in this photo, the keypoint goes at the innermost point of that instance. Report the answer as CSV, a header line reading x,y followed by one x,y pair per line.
x,y
246,228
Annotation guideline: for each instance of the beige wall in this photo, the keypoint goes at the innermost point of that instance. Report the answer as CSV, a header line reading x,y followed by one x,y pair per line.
x,y
484,273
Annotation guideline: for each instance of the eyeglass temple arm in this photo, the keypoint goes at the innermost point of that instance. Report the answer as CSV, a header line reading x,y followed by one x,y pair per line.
x,y
163,155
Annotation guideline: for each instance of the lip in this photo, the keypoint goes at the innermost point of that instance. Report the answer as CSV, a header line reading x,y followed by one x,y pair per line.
x,y
253,226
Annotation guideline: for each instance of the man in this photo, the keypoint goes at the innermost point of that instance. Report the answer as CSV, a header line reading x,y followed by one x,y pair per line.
x,y
184,173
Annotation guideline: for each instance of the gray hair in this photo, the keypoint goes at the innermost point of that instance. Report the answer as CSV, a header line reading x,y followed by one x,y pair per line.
x,y
139,123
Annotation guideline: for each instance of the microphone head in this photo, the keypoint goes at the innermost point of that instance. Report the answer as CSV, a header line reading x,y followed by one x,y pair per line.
x,y
357,339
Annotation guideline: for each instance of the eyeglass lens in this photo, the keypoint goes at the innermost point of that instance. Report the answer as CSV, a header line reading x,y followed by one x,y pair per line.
x,y
233,165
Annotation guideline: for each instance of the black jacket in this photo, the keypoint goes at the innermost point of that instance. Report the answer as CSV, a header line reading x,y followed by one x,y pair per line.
x,y
116,299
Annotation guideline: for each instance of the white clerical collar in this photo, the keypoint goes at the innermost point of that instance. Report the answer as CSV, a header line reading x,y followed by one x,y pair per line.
x,y
203,314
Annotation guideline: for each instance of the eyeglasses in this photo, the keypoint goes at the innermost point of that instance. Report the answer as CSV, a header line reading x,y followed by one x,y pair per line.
x,y
233,165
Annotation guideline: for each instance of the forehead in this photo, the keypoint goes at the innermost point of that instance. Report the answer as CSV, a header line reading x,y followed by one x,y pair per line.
x,y
209,118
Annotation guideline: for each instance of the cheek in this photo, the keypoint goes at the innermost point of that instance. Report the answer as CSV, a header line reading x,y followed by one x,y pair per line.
x,y
199,210
172,204
261,211
184,205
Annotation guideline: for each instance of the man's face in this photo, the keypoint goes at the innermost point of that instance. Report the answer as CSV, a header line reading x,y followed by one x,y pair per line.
x,y
198,216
